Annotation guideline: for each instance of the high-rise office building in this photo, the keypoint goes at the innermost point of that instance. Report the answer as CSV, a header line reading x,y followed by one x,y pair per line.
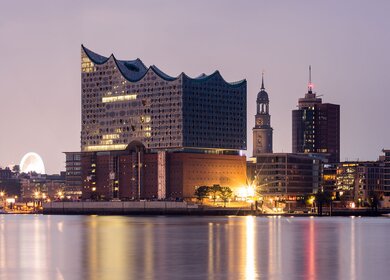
x,y
316,126
262,132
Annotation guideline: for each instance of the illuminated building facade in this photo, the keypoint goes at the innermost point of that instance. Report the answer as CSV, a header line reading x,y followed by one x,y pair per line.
x,y
138,173
145,134
42,187
124,101
262,132
316,126
357,181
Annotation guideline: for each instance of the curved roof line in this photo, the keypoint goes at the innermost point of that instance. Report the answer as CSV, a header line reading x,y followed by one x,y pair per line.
x,y
135,70
132,77
204,77
96,58
161,74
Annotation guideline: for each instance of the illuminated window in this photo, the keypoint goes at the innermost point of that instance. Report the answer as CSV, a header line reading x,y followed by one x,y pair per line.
x,y
105,147
87,65
119,98
110,136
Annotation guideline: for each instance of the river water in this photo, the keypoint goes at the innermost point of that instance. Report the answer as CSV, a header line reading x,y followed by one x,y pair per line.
x,y
121,247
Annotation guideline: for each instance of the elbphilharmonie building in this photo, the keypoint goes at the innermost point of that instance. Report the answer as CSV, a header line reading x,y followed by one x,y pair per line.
x,y
123,101
148,135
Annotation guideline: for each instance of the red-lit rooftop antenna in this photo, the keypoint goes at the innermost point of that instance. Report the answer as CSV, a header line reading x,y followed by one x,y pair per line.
x,y
310,86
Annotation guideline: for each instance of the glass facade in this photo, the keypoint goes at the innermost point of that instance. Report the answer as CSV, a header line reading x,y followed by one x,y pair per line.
x,y
285,174
123,101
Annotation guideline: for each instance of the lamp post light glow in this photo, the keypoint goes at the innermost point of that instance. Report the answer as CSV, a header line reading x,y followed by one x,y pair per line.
x,y
246,192
2,194
60,194
36,196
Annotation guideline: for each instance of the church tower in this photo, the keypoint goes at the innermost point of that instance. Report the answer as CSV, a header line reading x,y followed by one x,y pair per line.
x,y
262,132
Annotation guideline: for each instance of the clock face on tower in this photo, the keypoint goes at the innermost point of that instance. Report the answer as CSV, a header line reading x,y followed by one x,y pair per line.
x,y
259,122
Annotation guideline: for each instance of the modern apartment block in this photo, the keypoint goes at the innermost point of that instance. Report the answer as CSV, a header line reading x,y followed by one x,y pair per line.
x,y
359,181
285,174
316,126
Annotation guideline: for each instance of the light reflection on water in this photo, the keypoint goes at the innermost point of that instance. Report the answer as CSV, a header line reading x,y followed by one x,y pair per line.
x,y
116,247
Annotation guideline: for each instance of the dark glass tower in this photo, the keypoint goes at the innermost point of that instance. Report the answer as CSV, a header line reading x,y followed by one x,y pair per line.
x,y
316,126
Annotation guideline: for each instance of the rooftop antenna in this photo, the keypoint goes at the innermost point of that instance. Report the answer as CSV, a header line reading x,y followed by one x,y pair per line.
x,y
310,87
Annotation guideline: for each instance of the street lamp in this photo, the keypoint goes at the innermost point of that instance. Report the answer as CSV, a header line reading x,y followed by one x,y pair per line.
x,y
60,195
36,198
2,194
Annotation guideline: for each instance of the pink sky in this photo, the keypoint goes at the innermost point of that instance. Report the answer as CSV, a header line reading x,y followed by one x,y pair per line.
x,y
346,42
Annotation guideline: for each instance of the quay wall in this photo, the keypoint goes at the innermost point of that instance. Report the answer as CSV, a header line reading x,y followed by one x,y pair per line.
x,y
118,207
175,208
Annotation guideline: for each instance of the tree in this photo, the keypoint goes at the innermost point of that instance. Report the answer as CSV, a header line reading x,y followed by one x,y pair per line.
x,y
201,192
322,198
374,202
225,193
16,168
213,191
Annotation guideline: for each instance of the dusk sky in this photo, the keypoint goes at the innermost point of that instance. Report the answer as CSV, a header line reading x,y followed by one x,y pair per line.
x,y
346,42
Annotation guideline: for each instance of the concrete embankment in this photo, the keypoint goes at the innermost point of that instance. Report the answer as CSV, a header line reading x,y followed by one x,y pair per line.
x,y
177,208
137,208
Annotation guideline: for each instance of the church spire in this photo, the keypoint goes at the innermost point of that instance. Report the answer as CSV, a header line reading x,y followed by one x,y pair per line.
x,y
262,81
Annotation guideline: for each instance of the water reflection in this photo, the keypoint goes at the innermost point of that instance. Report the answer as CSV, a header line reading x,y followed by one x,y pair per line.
x,y
97,247
352,254
250,256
